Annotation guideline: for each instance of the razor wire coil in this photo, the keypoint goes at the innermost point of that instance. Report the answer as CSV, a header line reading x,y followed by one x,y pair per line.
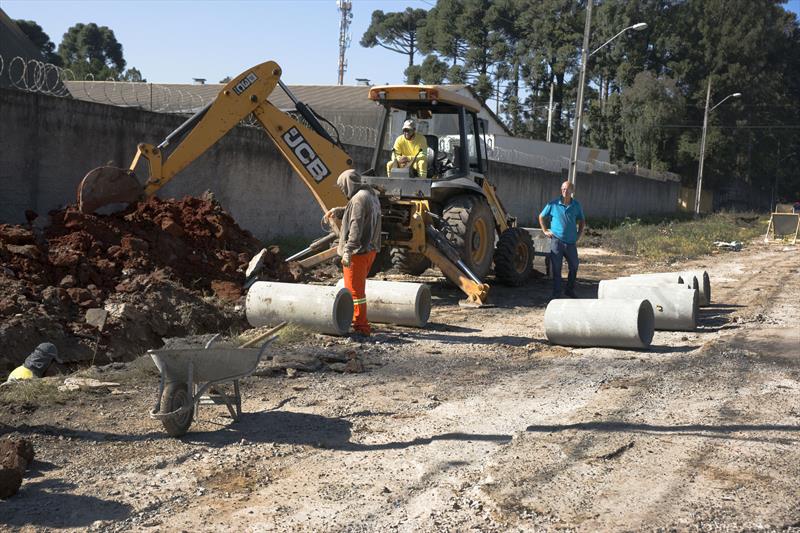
x,y
33,75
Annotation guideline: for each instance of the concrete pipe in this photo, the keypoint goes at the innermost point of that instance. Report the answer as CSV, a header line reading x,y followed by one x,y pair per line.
x,y
662,279
608,322
672,277
395,302
703,284
320,308
674,308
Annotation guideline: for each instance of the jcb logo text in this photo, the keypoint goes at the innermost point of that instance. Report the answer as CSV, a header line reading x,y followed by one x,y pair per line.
x,y
242,86
306,155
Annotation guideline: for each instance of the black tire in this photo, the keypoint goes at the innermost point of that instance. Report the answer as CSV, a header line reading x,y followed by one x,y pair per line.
x,y
409,262
513,257
175,396
382,262
471,230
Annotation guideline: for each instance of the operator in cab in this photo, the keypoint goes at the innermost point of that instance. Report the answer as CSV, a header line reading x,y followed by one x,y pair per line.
x,y
410,149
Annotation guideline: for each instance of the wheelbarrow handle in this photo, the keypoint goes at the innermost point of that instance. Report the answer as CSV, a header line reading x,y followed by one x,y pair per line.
x,y
264,335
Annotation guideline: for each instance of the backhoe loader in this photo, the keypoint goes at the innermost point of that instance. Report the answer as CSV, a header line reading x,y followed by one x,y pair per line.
x,y
451,218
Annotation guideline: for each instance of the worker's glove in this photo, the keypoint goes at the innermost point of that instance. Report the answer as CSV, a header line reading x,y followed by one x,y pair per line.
x,y
335,212
346,260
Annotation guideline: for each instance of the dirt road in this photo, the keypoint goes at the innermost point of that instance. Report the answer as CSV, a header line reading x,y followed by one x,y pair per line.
x,y
475,423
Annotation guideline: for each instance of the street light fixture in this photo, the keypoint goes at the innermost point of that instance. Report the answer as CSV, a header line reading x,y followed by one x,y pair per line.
x,y
576,132
699,190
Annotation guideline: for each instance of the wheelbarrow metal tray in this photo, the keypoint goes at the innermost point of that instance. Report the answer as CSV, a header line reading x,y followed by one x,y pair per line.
x,y
211,364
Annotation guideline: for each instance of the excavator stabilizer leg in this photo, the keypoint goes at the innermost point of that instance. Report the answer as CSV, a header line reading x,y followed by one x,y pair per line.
x,y
108,185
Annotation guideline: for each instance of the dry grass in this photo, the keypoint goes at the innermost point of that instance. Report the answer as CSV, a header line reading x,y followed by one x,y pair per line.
x,y
672,240
290,334
36,392
140,370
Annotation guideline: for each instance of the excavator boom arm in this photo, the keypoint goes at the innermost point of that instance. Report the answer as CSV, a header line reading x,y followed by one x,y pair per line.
x,y
312,154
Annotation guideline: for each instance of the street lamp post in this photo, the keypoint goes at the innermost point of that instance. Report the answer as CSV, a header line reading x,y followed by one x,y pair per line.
x,y
576,132
699,190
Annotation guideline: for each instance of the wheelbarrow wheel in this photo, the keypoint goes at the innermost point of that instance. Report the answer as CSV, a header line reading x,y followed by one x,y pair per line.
x,y
176,396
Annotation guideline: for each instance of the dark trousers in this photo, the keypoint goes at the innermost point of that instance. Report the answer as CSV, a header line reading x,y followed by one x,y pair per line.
x,y
560,250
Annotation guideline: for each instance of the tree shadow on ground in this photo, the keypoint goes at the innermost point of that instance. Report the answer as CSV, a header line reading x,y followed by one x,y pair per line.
x,y
722,431
672,349
322,432
433,326
270,426
512,340
47,504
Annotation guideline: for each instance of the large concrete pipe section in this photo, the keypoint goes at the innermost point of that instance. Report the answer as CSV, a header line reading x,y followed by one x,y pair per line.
x,y
674,308
608,322
665,278
320,308
703,284
672,277
396,302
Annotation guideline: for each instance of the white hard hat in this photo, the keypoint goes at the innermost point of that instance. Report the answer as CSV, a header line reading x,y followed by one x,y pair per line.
x,y
409,125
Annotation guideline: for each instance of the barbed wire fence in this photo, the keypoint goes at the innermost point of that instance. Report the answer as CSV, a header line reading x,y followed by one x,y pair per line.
x,y
35,76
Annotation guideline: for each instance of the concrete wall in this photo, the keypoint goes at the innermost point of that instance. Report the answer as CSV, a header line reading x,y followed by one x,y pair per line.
x,y
524,192
48,144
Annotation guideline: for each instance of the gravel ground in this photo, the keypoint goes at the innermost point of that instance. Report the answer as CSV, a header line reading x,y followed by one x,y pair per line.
x,y
474,423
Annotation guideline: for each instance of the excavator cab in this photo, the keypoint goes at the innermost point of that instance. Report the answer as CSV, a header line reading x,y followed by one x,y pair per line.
x,y
454,195
450,216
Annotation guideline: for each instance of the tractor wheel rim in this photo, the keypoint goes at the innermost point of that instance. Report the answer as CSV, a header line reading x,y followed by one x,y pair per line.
x,y
479,241
521,257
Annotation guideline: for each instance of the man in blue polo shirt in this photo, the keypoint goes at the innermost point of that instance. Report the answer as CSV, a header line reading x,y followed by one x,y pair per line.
x,y
562,220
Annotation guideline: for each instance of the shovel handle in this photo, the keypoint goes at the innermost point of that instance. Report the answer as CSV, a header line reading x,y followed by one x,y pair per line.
x,y
264,335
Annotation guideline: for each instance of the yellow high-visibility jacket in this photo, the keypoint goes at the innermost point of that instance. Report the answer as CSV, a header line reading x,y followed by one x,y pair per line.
x,y
410,148
20,373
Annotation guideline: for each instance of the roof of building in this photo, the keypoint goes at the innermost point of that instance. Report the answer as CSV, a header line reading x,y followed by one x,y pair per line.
x,y
189,98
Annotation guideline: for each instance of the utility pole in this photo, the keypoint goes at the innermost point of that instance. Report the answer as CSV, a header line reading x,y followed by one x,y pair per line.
x,y
699,190
497,102
576,132
346,9
550,114
699,187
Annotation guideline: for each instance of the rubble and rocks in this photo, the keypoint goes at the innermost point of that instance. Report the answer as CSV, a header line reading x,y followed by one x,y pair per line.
x,y
159,268
15,456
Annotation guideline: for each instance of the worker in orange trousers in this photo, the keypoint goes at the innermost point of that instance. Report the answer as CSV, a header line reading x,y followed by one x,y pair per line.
x,y
359,241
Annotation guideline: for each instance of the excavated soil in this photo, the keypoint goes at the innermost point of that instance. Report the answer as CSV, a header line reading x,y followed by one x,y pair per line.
x,y
475,423
162,268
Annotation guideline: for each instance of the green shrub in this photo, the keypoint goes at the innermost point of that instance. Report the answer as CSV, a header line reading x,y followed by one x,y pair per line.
x,y
678,238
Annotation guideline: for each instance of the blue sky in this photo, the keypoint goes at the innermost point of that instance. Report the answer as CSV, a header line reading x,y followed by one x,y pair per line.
x,y
173,41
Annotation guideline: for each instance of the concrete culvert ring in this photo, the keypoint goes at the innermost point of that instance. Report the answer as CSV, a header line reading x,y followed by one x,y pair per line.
x,y
423,305
646,323
343,311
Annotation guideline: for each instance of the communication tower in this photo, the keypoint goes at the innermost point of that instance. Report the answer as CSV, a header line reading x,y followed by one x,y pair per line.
x,y
346,9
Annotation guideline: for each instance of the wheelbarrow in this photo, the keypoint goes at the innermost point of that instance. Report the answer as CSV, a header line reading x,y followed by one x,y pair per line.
x,y
187,373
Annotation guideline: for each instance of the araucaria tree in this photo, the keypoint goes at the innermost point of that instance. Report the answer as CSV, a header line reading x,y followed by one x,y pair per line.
x,y
397,32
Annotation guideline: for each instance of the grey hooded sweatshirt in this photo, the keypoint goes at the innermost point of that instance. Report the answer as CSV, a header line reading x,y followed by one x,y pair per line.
x,y
361,221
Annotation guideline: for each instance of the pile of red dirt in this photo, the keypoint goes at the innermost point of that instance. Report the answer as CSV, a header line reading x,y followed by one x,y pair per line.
x,y
80,261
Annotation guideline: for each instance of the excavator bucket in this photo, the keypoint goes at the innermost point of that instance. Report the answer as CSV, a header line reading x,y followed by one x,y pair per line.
x,y
108,185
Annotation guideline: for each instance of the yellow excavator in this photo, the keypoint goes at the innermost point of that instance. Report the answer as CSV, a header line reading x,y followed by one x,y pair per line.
x,y
451,218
